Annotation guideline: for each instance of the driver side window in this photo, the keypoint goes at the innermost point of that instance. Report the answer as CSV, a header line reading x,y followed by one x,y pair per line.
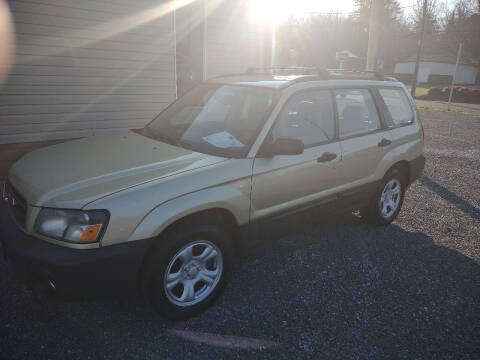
x,y
307,116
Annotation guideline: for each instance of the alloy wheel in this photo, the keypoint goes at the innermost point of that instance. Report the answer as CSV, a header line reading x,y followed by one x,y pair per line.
x,y
390,198
193,273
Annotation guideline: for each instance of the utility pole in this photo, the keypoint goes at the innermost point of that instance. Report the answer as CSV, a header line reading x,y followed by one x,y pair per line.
x,y
419,49
205,39
273,51
459,54
374,33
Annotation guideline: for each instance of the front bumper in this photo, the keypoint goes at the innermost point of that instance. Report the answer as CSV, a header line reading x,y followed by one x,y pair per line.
x,y
75,273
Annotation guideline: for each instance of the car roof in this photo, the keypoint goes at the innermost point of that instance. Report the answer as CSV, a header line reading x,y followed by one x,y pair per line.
x,y
271,81
325,78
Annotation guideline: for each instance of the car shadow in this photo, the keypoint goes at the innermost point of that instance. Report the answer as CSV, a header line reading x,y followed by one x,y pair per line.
x,y
451,197
345,285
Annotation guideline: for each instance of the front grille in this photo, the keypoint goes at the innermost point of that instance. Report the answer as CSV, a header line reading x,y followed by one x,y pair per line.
x,y
16,204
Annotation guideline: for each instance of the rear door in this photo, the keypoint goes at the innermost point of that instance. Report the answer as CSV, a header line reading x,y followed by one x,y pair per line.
x,y
400,116
363,137
286,182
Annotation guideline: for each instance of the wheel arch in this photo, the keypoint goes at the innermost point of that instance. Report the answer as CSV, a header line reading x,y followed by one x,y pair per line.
x,y
232,204
215,214
404,167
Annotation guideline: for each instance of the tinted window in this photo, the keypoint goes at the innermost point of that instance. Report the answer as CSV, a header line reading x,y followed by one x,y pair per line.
x,y
307,116
356,112
398,106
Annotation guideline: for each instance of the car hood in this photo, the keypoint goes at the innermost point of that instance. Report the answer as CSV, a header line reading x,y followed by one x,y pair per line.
x,y
74,173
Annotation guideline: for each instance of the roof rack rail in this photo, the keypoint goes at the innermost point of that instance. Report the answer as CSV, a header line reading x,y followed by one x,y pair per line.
x,y
390,78
318,73
321,73
314,73
277,70
342,72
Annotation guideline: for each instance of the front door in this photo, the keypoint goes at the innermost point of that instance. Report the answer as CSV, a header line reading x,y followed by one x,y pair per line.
x,y
286,182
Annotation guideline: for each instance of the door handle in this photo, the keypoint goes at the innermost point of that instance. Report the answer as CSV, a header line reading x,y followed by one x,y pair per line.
x,y
326,156
384,142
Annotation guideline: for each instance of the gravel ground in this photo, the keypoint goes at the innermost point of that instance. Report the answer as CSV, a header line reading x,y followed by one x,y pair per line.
x,y
334,288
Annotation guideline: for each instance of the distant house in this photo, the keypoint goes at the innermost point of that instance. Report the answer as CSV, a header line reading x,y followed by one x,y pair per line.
x,y
436,70
347,59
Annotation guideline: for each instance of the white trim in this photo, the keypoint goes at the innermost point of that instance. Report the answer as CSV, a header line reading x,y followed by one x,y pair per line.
x,y
175,50
273,51
205,39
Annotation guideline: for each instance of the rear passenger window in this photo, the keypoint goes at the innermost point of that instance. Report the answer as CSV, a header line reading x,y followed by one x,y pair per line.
x,y
398,106
307,116
357,113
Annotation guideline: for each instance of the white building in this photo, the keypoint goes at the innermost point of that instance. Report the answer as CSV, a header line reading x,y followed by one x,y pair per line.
x,y
437,72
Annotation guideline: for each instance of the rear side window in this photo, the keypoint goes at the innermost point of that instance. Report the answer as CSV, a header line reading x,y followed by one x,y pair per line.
x,y
357,113
307,116
398,106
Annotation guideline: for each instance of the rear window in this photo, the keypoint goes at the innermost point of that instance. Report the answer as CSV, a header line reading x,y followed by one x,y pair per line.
x,y
398,106
356,112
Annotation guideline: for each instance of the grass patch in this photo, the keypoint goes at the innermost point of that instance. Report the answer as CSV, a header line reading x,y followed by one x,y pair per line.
x,y
420,91
426,108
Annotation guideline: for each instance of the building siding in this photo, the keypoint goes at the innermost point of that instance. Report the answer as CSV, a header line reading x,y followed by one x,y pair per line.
x,y
83,67
235,41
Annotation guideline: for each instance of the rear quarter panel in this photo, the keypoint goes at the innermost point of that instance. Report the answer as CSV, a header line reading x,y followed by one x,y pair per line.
x,y
407,144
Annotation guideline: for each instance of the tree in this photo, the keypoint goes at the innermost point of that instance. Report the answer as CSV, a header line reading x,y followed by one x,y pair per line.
x,y
432,25
393,42
462,24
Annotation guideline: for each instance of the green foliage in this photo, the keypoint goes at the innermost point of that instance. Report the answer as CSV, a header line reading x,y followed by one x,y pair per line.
x,y
316,39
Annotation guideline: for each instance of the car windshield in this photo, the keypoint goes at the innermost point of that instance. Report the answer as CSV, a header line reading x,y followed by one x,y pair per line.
x,y
221,120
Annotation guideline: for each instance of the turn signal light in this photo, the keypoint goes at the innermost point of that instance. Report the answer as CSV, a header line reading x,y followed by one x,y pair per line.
x,y
90,233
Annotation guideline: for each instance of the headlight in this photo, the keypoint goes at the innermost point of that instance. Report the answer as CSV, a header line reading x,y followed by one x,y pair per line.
x,y
75,226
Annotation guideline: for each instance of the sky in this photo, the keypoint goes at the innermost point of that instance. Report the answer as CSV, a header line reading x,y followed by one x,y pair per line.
x,y
279,10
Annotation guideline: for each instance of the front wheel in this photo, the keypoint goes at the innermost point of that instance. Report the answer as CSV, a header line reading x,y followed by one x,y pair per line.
x,y
189,270
388,199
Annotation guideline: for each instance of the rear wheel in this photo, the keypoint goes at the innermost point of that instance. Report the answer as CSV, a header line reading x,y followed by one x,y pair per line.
x,y
189,269
388,199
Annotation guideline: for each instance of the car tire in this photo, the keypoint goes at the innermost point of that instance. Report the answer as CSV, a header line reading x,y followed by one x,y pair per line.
x,y
189,268
388,199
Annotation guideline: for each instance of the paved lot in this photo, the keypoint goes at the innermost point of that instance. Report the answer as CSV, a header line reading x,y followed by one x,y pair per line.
x,y
325,287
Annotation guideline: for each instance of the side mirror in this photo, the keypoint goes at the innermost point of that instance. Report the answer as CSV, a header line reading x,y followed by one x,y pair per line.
x,y
284,146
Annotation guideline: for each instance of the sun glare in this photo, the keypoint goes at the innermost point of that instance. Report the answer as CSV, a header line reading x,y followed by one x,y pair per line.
x,y
273,11
277,11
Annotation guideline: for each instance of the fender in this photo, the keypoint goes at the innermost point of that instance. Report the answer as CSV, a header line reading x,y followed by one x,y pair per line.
x,y
230,197
406,152
408,148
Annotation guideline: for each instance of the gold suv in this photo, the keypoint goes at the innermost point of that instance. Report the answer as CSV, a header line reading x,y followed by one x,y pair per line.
x,y
159,209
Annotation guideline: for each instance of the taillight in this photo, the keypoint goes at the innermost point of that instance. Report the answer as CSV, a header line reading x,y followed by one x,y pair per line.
x,y
423,131
423,139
